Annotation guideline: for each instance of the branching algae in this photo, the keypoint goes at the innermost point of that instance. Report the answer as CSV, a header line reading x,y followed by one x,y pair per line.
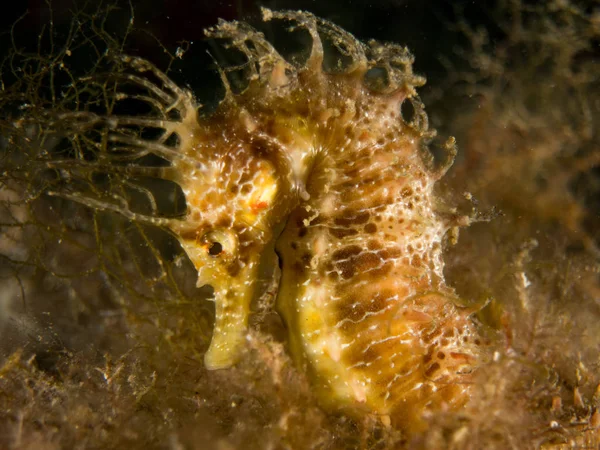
x,y
311,182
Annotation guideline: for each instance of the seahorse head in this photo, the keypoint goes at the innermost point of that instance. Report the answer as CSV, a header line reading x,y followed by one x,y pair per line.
x,y
236,190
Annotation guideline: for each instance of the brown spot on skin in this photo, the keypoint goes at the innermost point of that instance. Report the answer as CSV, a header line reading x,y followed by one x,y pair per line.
x,y
416,261
346,268
432,369
354,307
350,308
346,252
390,253
427,357
366,261
374,245
225,222
351,217
370,228
341,233
352,260
381,271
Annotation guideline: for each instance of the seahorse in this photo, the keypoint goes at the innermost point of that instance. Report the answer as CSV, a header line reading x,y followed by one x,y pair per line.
x,y
326,168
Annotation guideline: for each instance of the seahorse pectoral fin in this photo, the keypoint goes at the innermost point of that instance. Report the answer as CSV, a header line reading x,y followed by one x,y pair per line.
x,y
232,307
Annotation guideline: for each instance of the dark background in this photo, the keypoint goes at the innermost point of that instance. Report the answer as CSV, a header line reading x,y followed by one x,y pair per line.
x,y
426,27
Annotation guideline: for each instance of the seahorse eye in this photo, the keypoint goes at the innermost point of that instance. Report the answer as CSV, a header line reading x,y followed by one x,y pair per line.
x,y
215,248
219,242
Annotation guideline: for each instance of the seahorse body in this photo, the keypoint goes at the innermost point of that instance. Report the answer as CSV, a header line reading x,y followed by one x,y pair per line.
x,y
362,288
323,165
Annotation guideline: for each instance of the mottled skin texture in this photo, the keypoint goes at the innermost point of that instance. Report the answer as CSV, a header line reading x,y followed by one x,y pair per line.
x,y
324,166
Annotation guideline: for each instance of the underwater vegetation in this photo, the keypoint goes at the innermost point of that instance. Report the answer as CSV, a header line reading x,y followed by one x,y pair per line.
x,y
272,246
